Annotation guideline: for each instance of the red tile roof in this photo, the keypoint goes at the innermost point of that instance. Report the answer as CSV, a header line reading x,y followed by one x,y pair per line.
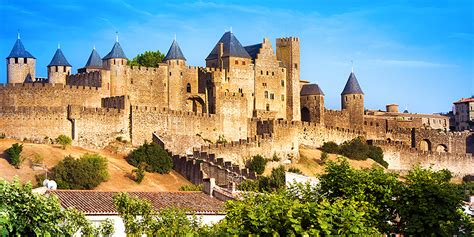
x,y
464,100
101,203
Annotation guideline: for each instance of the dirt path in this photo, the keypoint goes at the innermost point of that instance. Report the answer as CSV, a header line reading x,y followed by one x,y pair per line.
x,y
119,169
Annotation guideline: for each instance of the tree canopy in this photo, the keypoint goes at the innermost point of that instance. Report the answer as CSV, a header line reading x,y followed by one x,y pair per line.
x,y
147,59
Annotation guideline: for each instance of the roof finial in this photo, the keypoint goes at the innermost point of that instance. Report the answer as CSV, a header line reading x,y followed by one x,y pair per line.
x,y
231,29
116,36
93,47
59,45
352,64
18,34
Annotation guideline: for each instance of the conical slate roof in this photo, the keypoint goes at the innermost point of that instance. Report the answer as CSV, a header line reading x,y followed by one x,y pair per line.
x,y
352,86
94,60
59,59
311,89
232,47
116,52
19,51
174,52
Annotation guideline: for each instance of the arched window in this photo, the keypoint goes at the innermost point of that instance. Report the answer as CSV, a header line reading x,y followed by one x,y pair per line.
x,y
188,88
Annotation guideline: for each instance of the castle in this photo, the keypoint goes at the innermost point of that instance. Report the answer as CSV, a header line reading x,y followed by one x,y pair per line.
x,y
247,100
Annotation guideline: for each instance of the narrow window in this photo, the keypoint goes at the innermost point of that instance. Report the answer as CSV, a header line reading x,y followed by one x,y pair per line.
x,y
114,61
170,73
188,88
266,94
56,68
16,60
261,72
243,62
131,80
236,62
151,82
273,73
267,73
282,97
354,96
272,96
25,60
282,83
296,66
181,73
268,107
345,97
64,68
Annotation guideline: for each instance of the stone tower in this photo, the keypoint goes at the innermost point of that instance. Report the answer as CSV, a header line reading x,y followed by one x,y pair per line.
x,y
116,62
312,104
288,52
94,63
59,68
20,64
176,66
352,100
228,53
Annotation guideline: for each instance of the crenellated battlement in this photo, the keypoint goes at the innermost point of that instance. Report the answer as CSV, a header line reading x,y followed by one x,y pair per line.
x,y
45,86
86,75
164,110
33,112
287,39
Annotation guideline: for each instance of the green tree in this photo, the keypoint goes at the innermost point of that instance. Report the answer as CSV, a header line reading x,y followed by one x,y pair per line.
x,y
355,149
429,204
147,59
156,158
330,147
295,170
257,164
86,172
324,156
14,154
139,172
64,141
376,153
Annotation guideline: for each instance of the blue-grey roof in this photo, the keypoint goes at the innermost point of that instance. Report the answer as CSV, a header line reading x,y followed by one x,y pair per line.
x,y
116,52
94,60
311,89
253,50
19,51
59,59
352,86
174,52
232,47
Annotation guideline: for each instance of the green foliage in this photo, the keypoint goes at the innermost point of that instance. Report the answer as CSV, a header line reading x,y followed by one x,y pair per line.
x,y
156,158
324,156
355,149
295,170
14,154
275,181
375,153
64,141
257,164
371,186
330,147
428,204
140,218
275,158
86,172
191,187
147,59
139,172
23,213
106,228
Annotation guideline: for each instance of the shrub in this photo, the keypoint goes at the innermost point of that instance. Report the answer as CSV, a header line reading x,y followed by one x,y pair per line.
x,y
86,172
249,185
355,149
156,158
14,154
191,187
275,158
295,170
139,172
257,164
324,156
330,147
376,154
64,141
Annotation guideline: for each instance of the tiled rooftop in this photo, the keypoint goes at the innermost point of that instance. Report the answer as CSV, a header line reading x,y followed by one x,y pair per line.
x,y
101,203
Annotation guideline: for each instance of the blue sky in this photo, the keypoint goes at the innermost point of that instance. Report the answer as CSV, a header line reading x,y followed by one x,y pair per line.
x,y
418,54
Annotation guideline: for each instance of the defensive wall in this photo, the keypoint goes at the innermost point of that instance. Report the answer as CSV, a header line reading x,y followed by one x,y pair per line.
x,y
90,79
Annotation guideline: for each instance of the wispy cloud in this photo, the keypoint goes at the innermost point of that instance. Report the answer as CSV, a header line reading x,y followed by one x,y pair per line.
x,y
411,63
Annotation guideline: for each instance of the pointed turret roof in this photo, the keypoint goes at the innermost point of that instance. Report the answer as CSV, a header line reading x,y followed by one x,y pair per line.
x,y
174,52
94,60
352,86
311,89
59,59
232,47
116,52
19,51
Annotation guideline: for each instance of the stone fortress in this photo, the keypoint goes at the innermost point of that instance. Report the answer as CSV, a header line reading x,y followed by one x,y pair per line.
x,y
246,101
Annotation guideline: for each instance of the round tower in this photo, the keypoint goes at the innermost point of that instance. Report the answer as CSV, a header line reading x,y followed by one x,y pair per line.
x,y
116,62
20,64
59,68
178,88
312,103
352,100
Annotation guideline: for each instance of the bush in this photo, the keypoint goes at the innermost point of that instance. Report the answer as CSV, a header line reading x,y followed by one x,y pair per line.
x,y
295,170
64,141
355,149
139,172
376,154
257,164
330,147
191,187
275,158
154,156
86,172
14,154
324,156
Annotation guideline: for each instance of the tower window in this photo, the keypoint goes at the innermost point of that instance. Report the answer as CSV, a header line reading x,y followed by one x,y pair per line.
x,y
240,90
181,73
25,60
236,62
296,66
56,68
282,97
282,83
273,73
114,61
266,94
272,96
64,68
16,60
354,96
188,88
261,72
267,73
345,97
170,73
243,62
267,108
